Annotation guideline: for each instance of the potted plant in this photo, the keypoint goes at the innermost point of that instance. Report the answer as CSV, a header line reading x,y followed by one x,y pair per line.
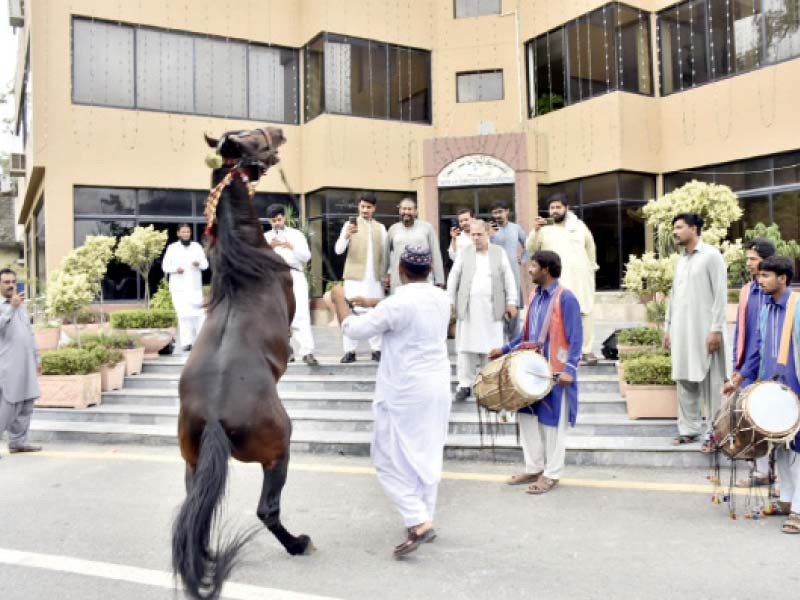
x,y
139,250
637,338
627,355
67,295
131,348
70,378
91,259
650,393
112,361
47,335
154,328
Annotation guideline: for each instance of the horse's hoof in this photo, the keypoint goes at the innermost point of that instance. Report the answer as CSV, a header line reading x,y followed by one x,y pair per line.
x,y
303,546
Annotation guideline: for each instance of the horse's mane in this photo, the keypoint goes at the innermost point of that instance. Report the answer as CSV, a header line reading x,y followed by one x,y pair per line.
x,y
241,260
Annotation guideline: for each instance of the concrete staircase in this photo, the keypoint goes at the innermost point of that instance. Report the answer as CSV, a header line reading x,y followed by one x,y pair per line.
x,y
330,407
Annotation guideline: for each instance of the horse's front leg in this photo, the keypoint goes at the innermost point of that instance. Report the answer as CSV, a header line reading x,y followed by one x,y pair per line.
x,y
269,509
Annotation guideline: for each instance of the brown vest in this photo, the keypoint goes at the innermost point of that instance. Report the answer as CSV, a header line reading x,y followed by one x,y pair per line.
x,y
356,261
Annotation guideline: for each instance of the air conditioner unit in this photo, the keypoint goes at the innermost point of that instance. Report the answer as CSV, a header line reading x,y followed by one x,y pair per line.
x,y
17,166
16,13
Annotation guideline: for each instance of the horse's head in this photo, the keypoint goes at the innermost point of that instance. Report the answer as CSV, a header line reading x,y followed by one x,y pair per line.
x,y
254,151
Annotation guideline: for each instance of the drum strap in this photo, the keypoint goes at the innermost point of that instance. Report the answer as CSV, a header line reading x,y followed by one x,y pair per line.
x,y
548,316
786,333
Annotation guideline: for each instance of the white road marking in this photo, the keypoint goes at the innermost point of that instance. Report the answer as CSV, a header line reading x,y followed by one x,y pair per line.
x,y
163,579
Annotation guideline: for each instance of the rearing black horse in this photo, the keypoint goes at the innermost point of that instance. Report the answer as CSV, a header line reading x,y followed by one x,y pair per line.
x,y
229,403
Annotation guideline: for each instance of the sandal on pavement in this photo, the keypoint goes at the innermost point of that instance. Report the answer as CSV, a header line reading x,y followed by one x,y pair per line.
x,y
412,542
427,537
792,524
684,439
542,485
708,447
521,478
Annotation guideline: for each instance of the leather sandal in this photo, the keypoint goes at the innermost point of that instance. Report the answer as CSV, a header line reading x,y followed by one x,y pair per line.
x,y
542,485
413,541
792,524
522,478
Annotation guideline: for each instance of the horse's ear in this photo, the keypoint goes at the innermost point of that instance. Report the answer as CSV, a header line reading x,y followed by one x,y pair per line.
x,y
211,141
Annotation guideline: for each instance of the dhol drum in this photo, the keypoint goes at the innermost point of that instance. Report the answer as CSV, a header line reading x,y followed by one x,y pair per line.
x,y
764,413
513,381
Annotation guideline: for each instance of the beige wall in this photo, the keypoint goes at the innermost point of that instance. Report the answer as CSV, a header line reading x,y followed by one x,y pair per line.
x,y
744,116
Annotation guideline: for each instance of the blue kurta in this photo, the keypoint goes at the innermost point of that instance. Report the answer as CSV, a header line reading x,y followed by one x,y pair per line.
x,y
756,299
548,409
771,321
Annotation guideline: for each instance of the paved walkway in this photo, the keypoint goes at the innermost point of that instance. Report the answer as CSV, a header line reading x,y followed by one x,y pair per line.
x,y
88,522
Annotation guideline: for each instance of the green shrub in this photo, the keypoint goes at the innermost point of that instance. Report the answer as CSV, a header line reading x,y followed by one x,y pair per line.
x,y
733,296
83,317
143,319
652,369
639,336
162,299
103,354
69,361
117,340
627,355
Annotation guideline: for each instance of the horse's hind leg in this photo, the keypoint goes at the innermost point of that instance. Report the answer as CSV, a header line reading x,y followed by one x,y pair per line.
x,y
269,509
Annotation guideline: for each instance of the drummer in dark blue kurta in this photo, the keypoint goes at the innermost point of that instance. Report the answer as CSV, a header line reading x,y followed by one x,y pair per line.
x,y
553,326
746,338
774,275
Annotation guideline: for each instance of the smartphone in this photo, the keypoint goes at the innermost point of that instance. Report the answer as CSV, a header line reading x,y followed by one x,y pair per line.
x,y
20,288
353,220
453,224
550,221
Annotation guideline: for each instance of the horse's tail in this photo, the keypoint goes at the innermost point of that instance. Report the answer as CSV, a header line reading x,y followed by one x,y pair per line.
x,y
202,569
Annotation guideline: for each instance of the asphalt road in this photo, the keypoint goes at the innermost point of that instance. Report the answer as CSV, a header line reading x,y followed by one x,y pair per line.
x,y
93,522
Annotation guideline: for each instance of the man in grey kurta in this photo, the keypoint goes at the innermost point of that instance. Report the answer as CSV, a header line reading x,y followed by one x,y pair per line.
x,y
410,231
695,329
511,237
19,366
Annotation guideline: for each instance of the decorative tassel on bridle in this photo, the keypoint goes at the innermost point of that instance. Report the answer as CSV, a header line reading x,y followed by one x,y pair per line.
x,y
210,211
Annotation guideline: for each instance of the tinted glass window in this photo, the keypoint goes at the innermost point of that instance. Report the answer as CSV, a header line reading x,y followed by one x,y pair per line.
x,y
104,201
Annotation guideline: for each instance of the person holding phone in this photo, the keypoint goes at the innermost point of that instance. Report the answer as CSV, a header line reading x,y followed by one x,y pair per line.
x,y
570,238
511,238
364,240
459,232
19,365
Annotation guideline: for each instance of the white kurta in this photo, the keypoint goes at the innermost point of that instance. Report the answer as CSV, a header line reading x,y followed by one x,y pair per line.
x,y
297,257
479,332
574,244
462,241
368,286
187,287
412,394
419,234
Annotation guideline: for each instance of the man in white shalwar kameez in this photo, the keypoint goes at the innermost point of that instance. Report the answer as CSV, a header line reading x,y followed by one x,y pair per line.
x,y
183,263
412,392
365,244
696,330
292,247
482,291
570,238
459,236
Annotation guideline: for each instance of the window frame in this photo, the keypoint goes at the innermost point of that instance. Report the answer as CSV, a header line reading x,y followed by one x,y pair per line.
x,y
192,35
482,72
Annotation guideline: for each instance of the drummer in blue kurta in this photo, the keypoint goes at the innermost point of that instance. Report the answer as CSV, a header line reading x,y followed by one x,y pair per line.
x,y
746,338
555,329
775,275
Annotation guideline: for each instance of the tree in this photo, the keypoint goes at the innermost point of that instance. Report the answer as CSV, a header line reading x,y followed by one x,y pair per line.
x,y
92,260
139,250
67,294
791,249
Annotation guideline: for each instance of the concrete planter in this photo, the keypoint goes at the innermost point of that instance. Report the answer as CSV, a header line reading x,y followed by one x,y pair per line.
x,y
652,401
731,312
112,376
621,375
69,391
153,340
88,329
47,338
133,361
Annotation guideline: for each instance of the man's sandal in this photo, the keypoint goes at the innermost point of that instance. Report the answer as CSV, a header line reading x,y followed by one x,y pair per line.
x,y
522,478
792,524
542,485
413,541
684,439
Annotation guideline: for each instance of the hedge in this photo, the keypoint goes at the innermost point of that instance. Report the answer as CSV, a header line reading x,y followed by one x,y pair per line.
x,y
69,361
652,369
143,319
117,340
639,336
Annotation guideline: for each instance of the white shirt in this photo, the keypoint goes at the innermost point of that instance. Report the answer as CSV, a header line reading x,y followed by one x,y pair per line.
x,y
187,287
368,286
462,241
299,254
